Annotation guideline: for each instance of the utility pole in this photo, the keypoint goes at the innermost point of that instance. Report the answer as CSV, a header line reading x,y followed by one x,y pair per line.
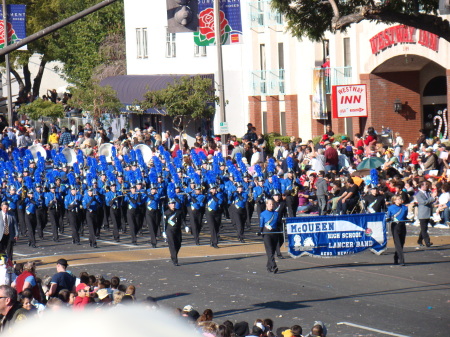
x,y
8,68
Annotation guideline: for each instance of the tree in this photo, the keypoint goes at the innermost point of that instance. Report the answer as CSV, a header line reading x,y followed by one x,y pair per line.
x,y
186,97
75,45
40,108
96,100
312,18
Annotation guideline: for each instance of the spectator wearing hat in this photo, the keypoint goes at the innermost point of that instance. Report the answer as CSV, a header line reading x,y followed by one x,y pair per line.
x,y
61,280
82,299
391,160
431,160
331,157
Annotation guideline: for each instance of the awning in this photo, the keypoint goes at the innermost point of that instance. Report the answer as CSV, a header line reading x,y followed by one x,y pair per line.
x,y
131,88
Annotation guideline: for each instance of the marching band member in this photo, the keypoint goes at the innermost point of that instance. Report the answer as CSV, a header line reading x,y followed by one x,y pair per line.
x,y
153,213
30,218
397,214
92,204
213,213
173,219
41,210
72,203
268,223
196,204
132,199
238,200
113,200
53,204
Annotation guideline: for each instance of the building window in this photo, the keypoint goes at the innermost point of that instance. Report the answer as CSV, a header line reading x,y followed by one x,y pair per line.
x,y
139,42
171,45
347,58
144,43
199,51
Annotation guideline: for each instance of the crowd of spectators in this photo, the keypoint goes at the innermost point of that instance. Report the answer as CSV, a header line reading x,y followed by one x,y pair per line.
x,y
31,295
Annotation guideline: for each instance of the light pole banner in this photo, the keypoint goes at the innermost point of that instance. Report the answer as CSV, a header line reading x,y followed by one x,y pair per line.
x,y
349,100
16,24
230,22
326,236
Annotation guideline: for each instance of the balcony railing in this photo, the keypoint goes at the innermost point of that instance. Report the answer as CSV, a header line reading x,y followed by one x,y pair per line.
x,y
334,76
268,82
262,15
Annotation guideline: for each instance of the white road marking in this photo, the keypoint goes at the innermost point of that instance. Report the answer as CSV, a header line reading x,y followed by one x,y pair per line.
x,y
372,329
21,254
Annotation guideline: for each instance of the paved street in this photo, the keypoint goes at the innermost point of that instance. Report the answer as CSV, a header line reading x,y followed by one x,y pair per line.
x,y
354,295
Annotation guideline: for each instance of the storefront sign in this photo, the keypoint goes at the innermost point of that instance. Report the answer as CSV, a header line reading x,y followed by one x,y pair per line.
x,y
349,101
404,35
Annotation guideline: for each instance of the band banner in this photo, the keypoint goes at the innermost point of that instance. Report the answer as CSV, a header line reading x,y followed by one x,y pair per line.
x,y
16,24
326,236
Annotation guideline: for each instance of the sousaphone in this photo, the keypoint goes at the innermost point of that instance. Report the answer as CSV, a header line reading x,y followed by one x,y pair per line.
x,y
71,156
35,149
106,150
146,151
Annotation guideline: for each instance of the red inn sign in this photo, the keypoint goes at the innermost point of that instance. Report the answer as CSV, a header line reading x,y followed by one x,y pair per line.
x,y
403,34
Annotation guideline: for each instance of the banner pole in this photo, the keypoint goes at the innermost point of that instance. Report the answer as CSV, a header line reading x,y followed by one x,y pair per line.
x,y
8,67
220,79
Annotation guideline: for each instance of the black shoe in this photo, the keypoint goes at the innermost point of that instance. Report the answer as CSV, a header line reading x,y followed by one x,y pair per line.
x,y
242,240
41,237
94,245
117,240
153,245
90,244
33,245
134,243
396,263
275,270
215,246
280,257
402,264
56,240
175,264
197,243
29,243
78,243
429,244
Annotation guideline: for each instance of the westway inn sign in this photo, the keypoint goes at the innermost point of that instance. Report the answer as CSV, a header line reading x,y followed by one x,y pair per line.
x,y
404,35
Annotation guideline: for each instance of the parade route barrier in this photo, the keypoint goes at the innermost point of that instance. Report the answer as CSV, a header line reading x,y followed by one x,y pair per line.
x,y
326,236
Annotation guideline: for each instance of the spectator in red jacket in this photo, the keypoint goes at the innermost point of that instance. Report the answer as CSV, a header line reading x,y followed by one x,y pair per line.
x,y
82,298
331,157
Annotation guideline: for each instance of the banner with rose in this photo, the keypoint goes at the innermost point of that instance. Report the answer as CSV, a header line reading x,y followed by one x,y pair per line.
x,y
230,23
16,24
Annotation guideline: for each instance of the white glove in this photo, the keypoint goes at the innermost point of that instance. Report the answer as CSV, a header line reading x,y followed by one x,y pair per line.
x,y
164,235
186,229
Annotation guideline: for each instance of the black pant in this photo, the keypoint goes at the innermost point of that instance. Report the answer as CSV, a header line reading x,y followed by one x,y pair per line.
x,y
174,239
270,244
249,208
54,220
196,223
99,215
106,216
132,214
398,232
213,219
6,245
116,221
153,219
423,236
291,205
30,220
91,219
62,212
239,218
74,222
260,207
41,220
21,220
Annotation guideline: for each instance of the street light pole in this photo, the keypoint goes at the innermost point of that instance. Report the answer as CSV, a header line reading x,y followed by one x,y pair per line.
x,y
8,68
220,81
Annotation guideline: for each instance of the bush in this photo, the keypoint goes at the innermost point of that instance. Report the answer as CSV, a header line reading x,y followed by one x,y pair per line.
x,y
337,138
270,138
